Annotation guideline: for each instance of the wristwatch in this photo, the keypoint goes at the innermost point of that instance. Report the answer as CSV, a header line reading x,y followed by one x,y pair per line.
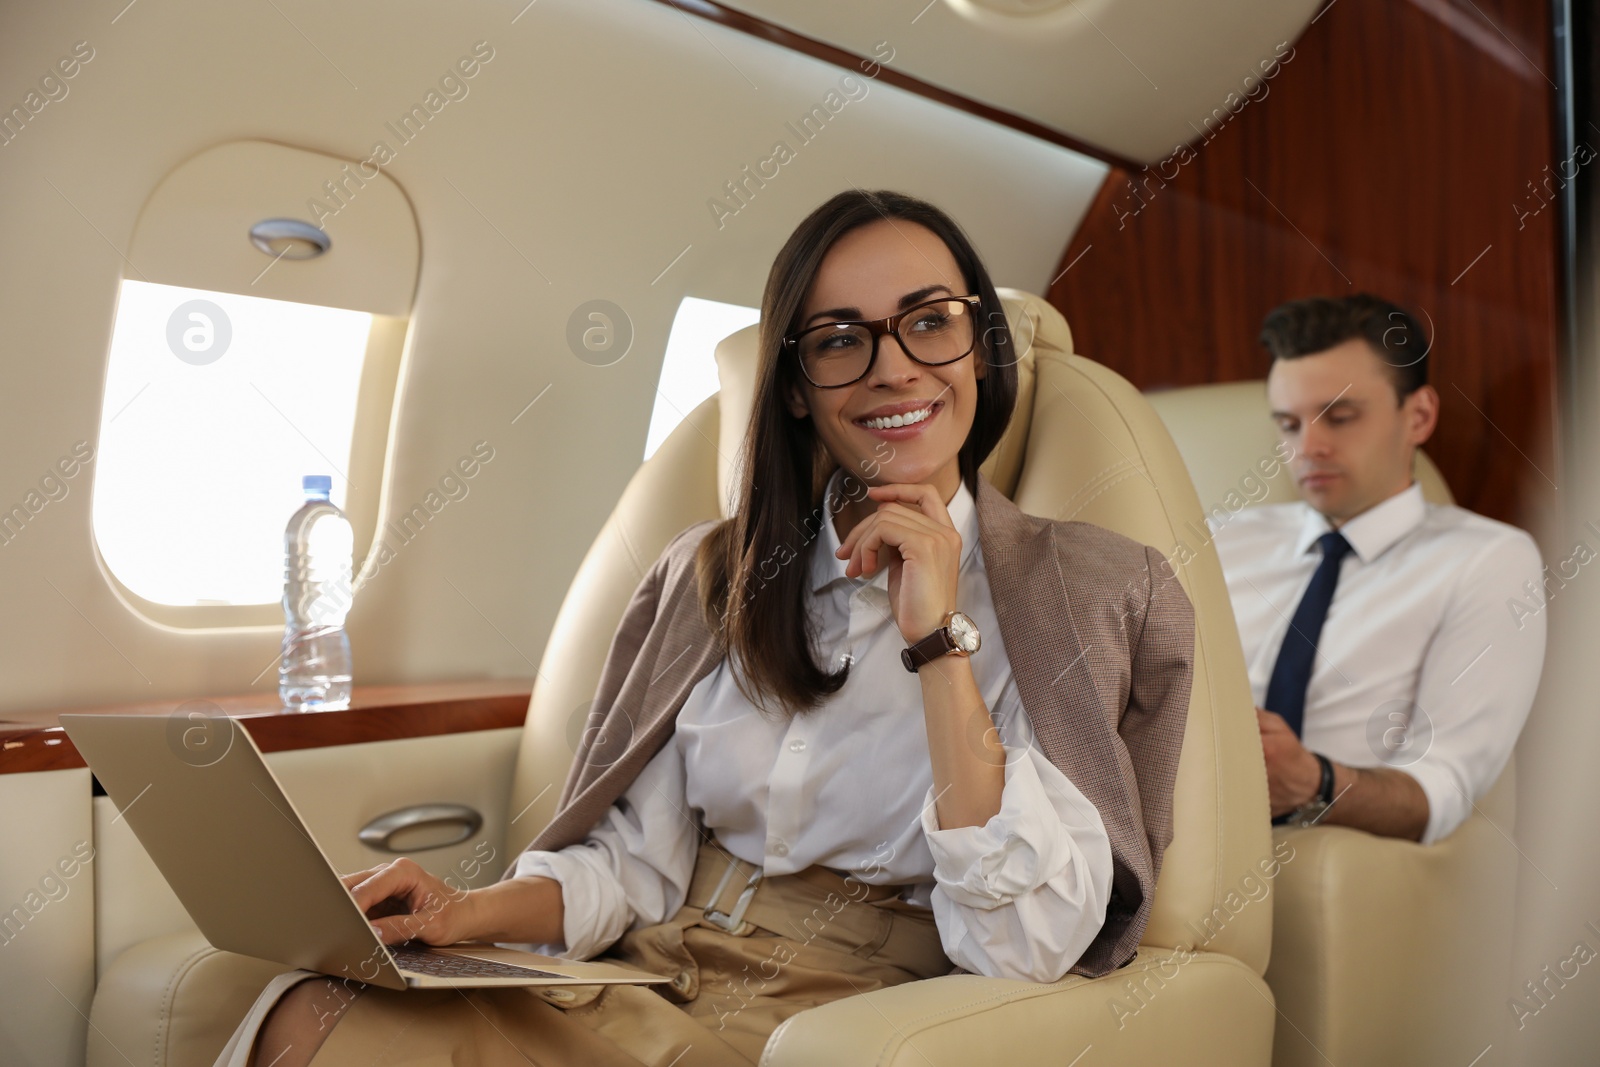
x,y
957,637
1308,813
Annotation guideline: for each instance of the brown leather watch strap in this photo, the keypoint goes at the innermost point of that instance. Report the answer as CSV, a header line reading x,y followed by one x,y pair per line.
x,y
927,650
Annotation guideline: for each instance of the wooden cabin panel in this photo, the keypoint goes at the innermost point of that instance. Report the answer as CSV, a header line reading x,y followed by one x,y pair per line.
x,y
1400,150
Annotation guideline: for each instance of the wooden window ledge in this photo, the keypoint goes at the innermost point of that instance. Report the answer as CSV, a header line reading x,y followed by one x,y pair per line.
x,y
35,741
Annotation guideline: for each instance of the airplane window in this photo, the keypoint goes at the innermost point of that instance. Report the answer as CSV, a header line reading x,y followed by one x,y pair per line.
x,y
689,371
215,406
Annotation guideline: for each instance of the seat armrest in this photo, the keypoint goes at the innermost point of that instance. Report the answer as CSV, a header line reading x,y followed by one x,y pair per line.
x,y
172,1001
1162,1007
1385,950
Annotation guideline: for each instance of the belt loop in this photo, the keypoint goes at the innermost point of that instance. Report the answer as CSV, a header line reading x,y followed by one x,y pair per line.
x,y
732,922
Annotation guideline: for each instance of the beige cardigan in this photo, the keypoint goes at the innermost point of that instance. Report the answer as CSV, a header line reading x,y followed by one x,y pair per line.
x,y
1101,640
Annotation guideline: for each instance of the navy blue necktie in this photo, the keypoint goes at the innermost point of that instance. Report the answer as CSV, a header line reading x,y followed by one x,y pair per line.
x,y
1286,692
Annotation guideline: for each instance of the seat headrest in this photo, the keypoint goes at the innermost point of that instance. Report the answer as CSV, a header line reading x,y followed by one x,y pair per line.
x,y
1083,444
1035,325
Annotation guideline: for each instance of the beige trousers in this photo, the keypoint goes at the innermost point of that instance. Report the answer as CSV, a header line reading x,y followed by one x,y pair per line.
x,y
798,941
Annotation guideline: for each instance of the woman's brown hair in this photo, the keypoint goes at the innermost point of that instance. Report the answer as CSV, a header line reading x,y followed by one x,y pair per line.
x,y
753,581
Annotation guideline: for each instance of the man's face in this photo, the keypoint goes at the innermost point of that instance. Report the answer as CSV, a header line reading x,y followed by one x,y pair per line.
x,y
1353,439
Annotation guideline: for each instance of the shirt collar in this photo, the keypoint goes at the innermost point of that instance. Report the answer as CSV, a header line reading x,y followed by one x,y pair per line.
x,y
827,567
1372,532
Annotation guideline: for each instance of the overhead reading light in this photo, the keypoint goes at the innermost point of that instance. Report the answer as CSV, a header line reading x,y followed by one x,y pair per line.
x,y
1022,7
289,239
1011,8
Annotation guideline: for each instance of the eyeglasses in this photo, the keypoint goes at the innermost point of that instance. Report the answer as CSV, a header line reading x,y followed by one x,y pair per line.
x,y
836,354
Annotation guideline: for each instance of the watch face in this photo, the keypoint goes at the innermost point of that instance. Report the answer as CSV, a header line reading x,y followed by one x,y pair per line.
x,y
964,632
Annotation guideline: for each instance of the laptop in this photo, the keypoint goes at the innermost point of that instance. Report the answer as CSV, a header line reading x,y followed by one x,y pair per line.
x,y
208,810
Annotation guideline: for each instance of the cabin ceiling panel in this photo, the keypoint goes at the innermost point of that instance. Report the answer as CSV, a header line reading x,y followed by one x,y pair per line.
x,y
1137,78
555,155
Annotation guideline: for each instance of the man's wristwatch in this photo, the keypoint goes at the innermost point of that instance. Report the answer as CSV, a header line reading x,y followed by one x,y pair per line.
x,y
1308,813
957,637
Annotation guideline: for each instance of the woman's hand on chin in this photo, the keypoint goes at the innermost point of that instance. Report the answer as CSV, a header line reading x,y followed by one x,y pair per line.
x,y
403,902
911,534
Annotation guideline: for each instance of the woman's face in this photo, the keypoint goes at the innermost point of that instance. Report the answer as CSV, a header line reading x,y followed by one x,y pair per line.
x,y
872,272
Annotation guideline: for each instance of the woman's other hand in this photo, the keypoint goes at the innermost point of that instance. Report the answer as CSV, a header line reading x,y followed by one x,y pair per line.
x,y
910,533
403,902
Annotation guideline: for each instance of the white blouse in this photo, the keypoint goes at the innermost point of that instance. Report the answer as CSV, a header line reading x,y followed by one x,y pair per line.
x,y
849,785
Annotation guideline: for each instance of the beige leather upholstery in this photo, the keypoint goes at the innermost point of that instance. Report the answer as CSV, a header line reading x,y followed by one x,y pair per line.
x,y
1387,951
1085,446
1161,1009
182,998
1383,951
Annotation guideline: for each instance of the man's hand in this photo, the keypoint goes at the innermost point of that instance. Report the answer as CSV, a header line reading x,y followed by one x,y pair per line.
x,y
1293,774
1380,800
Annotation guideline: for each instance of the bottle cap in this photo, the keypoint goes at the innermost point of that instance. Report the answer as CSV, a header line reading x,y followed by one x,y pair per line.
x,y
317,483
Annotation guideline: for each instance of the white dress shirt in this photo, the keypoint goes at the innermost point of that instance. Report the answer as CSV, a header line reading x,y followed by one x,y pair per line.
x,y
1425,662
849,785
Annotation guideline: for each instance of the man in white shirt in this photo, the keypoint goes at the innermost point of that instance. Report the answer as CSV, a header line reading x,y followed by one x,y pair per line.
x,y
1394,646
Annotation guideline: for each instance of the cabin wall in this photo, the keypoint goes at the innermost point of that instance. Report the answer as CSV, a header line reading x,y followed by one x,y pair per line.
x,y
1398,148
581,164
48,868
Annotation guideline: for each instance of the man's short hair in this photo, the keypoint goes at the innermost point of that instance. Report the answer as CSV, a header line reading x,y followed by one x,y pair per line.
x,y
1306,327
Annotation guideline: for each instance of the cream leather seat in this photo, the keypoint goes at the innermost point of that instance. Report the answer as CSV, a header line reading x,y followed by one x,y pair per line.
x,y
1383,951
1083,445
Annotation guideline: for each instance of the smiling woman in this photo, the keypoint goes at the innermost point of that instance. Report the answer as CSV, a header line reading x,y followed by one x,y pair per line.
x,y
903,252
853,720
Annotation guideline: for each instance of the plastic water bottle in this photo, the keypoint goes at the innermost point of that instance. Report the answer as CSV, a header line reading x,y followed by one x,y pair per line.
x,y
314,674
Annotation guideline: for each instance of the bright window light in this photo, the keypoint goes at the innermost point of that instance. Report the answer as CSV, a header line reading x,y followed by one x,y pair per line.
x,y
215,406
689,371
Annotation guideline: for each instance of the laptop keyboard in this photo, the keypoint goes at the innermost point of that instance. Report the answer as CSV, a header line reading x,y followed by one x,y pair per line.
x,y
441,965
